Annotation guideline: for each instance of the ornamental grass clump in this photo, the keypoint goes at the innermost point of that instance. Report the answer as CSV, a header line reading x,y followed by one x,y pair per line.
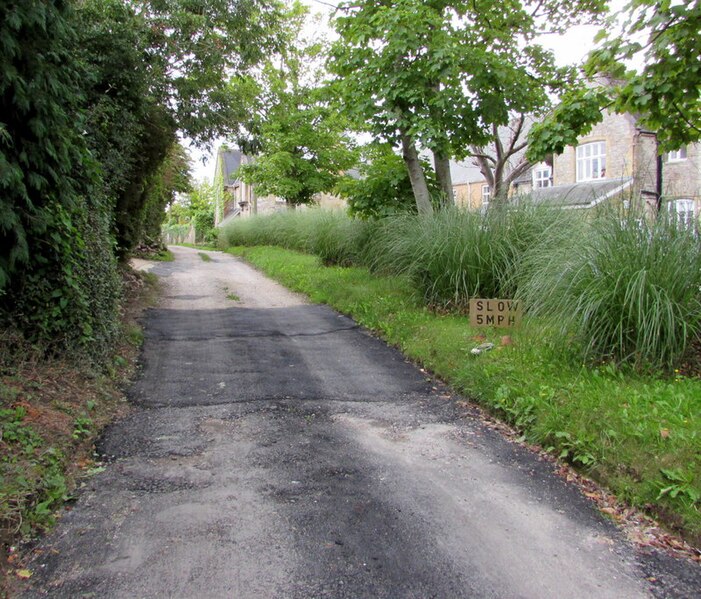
x,y
329,234
336,238
284,229
624,289
454,255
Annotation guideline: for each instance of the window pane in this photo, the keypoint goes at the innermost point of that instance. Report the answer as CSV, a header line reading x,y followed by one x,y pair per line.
x,y
591,161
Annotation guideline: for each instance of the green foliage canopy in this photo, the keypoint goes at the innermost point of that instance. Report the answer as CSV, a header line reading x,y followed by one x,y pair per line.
x,y
665,93
383,187
196,47
300,135
305,150
446,74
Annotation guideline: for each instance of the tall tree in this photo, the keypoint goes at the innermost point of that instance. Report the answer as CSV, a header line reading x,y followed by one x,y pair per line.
x,y
442,75
157,67
300,138
665,92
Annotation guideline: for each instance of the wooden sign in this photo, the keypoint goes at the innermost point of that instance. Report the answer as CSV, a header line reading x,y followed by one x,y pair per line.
x,y
495,313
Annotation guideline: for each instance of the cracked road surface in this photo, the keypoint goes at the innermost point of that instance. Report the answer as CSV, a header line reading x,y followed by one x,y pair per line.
x,y
278,450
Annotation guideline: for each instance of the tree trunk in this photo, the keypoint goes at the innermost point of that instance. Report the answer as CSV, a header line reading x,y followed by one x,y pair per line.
x,y
445,181
416,175
500,192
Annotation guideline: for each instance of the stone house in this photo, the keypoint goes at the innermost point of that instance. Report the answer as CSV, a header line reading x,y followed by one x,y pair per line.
x,y
619,159
235,198
470,188
225,183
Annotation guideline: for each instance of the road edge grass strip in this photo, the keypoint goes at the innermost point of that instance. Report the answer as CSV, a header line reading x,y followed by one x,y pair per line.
x,y
52,411
638,435
155,255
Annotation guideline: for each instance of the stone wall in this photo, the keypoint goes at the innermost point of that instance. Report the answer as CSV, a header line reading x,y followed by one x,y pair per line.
x,y
682,179
618,131
330,202
270,205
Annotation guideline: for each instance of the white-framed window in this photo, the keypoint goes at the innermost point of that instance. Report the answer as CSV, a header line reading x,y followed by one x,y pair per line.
x,y
677,155
486,194
684,211
591,161
542,176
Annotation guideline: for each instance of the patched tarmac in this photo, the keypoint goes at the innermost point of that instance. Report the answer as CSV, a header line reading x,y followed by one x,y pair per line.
x,y
278,450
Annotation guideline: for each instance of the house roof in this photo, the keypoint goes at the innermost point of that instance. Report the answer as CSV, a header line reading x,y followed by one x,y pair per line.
x,y
230,217
464,172
580,195
525,177
230,161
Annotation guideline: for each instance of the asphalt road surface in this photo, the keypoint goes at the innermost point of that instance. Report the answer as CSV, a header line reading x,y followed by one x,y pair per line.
x,y
278,450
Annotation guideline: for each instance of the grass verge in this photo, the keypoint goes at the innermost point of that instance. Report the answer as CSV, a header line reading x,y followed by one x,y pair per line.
x,y
51,412
615,286
636,434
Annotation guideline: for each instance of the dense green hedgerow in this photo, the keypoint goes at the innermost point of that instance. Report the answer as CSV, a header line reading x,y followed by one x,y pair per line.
x,y
58,275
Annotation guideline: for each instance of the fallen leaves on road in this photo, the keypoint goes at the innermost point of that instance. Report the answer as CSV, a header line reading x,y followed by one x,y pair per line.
x,y
640,529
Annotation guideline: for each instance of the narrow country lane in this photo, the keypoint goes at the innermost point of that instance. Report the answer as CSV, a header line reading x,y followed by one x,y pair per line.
x,y
277,450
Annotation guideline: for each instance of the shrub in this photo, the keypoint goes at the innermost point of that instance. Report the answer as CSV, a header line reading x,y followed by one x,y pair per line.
x,y
383,187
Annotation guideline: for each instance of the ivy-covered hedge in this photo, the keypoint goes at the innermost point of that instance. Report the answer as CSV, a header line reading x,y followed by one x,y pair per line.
x,y
92,94
58,276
